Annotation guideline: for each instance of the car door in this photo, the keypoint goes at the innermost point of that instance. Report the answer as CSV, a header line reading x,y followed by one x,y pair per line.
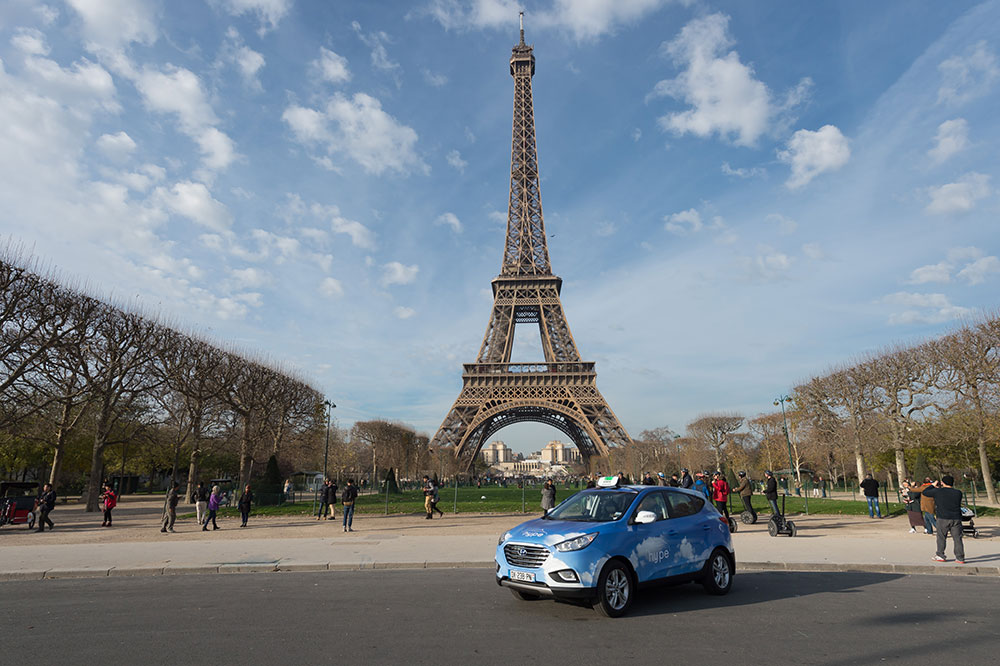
x,y
652,551
688,532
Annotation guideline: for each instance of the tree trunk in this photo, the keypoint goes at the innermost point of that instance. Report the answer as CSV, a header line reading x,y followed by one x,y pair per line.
x,y
245,457
193,472
984,462
96,475
900,460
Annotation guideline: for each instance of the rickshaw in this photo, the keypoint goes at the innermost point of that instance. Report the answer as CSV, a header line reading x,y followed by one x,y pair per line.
x,y
17,503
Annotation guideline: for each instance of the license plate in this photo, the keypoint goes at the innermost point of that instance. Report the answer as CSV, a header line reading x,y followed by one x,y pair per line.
x,y
522,575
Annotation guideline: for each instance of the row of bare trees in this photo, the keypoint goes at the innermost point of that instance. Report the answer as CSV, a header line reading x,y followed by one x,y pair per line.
x,y
72,365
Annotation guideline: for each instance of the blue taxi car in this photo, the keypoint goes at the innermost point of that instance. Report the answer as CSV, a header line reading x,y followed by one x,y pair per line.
x,y
602,544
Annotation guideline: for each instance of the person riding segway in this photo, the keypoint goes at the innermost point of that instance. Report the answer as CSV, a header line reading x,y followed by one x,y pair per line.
x,y
720,496
745,491
776,524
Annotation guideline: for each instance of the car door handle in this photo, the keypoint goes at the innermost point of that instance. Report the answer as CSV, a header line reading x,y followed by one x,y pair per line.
x,y
706,527
672,533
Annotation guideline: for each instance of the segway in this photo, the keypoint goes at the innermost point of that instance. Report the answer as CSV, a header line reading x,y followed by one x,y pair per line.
x,y
777,524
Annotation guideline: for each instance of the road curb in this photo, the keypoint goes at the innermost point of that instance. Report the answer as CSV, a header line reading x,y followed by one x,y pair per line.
x,y
944,569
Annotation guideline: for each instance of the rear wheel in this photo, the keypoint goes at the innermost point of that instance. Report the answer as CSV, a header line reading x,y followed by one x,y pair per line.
x,y
748,518
614,590
718,576
733,525
772,527
524,596
791,528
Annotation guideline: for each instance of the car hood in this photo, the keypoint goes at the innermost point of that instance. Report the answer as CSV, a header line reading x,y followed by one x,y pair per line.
x,y
551,532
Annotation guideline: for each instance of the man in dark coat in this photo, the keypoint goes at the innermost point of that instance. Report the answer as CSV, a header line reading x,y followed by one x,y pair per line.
x,y
686,480
745,490
170,508
771,492
870,486
46,502
948,511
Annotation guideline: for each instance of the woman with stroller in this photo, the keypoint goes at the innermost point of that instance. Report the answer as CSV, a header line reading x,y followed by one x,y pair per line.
x,y
213,509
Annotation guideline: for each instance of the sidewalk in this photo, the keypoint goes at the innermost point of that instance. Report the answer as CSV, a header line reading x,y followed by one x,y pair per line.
x,y
79,547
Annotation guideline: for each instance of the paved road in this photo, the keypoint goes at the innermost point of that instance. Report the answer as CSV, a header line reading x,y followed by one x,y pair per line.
x,y
450,616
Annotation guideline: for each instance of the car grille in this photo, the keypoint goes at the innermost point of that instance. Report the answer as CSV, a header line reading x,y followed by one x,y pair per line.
x,y
529,557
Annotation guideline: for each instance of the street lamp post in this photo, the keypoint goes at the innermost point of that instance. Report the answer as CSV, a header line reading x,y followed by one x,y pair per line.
x,y
781,400
326,450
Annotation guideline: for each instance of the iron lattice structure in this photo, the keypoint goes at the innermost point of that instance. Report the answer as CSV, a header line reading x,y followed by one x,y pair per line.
x,y
561,391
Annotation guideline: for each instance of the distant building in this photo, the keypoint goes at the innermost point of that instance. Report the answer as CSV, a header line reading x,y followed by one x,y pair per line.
x,y
497,452
557,452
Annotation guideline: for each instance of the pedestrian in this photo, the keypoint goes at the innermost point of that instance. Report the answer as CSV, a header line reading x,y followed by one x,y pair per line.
x,y
720,494
745,491
870,486
110,501
648,480
771,492
661,479
815,489
591,482
348,497
286,491
428,489
170,507
948,511
911,498
246,501
436,499
201,502
46,501
822,487
324,500
548,496
686,480
674,482
213,509
701,484
331,500
927,506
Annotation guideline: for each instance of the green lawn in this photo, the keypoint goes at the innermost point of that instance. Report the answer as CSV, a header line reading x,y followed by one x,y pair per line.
x,y
508,500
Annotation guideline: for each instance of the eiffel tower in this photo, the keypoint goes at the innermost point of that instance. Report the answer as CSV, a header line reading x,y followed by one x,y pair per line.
x,y
561,391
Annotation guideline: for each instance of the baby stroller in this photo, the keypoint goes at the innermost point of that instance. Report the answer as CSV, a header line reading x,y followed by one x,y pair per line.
x,y
968,524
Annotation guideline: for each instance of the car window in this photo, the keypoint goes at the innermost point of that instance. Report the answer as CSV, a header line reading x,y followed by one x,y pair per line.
x,y
682,504
656,503
600,506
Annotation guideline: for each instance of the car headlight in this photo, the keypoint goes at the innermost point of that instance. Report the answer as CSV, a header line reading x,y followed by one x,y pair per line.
x,y
577,543
503,537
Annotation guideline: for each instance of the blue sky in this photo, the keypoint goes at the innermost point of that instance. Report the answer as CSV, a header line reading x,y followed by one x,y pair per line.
x,y
738,195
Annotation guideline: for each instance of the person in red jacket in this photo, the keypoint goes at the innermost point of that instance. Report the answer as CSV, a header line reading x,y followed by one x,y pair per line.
x,y
110,501
720,494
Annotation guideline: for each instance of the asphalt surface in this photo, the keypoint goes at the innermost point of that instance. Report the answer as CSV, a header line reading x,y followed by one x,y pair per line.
x,y
457,615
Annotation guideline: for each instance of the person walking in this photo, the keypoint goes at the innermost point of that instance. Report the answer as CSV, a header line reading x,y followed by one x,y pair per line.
x,y
46,502
674,482
548,496
110,501
771,492
286,490
720,494
348,497
170,507
911,498
246,501
948,511
686,480
437,498
871,486
213,509
701,485
648,480
324,500
332,500
428,497
927,506
822,487
201,502
745,491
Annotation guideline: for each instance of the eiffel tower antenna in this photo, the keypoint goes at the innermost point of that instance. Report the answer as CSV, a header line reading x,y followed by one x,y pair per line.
x,y
562,390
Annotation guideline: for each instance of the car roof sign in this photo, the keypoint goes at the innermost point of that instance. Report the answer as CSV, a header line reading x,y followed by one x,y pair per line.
x,y
607,482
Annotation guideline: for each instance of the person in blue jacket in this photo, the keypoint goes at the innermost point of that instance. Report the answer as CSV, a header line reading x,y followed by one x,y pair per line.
x,y
701,485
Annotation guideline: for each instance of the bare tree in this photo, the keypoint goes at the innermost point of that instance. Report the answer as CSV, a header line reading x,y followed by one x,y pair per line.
x,y
714,430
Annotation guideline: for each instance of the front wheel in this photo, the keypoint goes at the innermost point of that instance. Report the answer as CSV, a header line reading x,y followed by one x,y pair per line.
x,y
791,528
748,518
614,590
524,596
718,577
772,528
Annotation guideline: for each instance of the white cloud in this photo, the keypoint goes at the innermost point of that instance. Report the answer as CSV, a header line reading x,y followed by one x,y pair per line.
x,y
268,12
376,41
960,196
404,312
195,202
111,24
249,277
454,159
117,147
939,272
30,41
683,222
978,271
332,67
725,97
358,127
397,273
768,264
331,287
434,78
813,251
606,229
743,172
966,77
464,14
84,87
952,137
923,308
451,220
636,134
811,153
247,61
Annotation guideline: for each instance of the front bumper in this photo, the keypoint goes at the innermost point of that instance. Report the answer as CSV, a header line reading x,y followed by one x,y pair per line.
x,y
546,582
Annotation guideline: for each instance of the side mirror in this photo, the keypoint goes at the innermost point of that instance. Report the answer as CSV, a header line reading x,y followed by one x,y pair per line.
x,y
645,517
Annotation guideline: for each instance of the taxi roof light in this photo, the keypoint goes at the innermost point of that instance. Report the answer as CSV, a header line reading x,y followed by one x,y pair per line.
x,y
608,482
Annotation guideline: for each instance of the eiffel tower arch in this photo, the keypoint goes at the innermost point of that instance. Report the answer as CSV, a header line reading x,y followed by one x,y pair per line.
x,y
562,390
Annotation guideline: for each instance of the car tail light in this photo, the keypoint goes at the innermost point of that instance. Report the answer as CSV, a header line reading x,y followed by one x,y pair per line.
x,y
725,521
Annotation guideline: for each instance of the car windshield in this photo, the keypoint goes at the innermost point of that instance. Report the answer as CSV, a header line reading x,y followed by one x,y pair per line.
x,y
594,507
